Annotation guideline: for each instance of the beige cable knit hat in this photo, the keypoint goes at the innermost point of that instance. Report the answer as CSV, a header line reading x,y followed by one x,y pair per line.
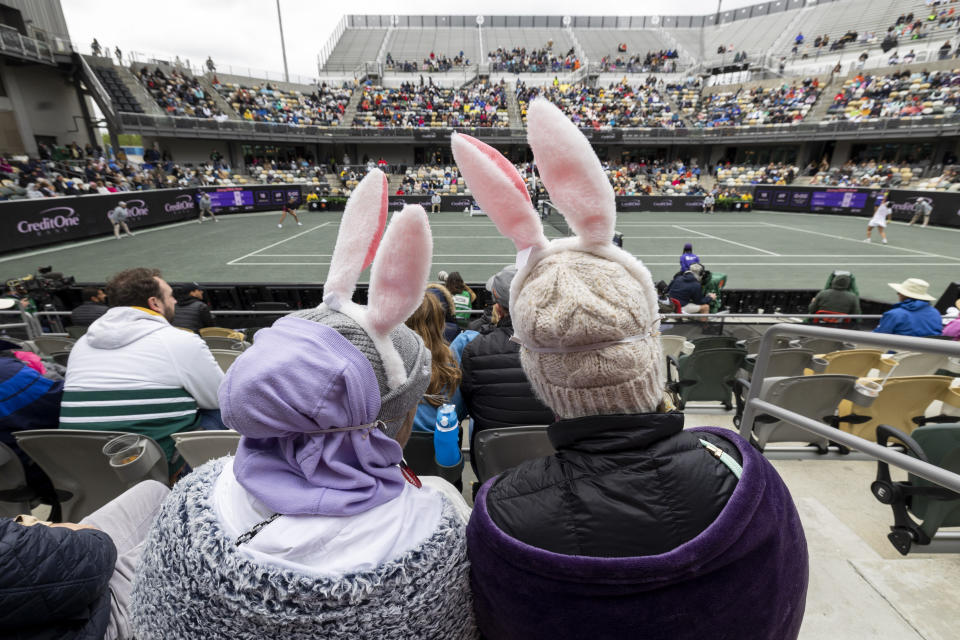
x,y
584,311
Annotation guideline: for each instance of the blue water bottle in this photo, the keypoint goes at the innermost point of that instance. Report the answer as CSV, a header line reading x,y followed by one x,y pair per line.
x,y
446,437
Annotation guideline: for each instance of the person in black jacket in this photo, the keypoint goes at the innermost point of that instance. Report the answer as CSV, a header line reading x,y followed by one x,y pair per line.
x,y
635,526
494,386
192,312
688,291
73,581
94,305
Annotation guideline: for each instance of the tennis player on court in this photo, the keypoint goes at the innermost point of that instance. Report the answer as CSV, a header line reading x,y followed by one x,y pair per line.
x,y
879,220
291,208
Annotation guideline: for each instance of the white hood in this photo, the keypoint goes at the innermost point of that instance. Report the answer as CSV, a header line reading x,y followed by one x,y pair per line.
x,y
121,326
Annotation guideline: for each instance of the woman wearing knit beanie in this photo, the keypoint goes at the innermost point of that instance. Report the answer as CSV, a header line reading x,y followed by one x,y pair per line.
x,y
315,529
635,528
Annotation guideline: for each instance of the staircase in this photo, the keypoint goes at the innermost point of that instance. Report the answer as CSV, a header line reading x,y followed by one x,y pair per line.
x,y
823,103
223,103
674,107
393,182
350,111
125,91
513,107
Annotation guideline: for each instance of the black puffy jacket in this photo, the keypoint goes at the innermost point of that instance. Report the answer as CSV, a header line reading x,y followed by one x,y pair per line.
x,y
86,313
54,582
192,313
494,386
618,486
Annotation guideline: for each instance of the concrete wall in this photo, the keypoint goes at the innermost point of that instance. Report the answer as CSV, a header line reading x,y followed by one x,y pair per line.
x,y
44,103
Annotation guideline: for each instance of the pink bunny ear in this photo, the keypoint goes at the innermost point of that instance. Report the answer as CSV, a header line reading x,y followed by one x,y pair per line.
x,y
400,271
499,190
360,232
571,172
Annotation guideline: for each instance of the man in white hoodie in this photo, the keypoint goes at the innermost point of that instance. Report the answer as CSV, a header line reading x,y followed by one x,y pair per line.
x,y
133,371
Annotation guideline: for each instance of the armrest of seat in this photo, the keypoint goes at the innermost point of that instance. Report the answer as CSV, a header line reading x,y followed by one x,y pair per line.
x,y
741,387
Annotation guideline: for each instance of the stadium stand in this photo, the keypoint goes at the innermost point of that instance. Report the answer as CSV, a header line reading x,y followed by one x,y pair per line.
x,y
787,104
479,105
178,93
754,36
620,43
619,105
325,106
773,173
459,45
898,95
355,47
529,50
119,93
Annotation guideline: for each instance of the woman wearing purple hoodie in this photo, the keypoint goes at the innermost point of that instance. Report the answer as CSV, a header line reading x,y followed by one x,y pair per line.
x,y
316,529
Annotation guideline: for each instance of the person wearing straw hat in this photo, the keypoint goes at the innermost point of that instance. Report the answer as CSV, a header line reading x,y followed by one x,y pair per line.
x,y
913,315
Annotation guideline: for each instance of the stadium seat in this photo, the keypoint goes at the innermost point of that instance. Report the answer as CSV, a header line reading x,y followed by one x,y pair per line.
x,y
910,363
225,357
831,317
823,345
227,344
673,345
496,450
75,463
15,496
60,357
198,447
815,397
707,374
902,403
75,331
714,342
221,332
853,362
419,456
48,345
783,362
932,505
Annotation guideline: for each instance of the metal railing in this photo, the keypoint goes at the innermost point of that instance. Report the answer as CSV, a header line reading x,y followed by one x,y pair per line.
x,y
15,44
754,406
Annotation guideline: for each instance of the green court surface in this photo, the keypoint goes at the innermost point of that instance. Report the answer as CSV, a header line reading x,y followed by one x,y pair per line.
x,y
755,249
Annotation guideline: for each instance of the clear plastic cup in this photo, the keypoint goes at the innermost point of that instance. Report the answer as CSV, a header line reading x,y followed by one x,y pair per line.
x,y
123,450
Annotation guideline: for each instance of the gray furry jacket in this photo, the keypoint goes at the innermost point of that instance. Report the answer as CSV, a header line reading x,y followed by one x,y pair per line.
x,y
192,582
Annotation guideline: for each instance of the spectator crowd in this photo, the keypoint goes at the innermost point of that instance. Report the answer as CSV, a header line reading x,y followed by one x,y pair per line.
x,y
411,106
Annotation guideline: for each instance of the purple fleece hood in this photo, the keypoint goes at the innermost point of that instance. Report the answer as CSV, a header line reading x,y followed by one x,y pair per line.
x,y
300,379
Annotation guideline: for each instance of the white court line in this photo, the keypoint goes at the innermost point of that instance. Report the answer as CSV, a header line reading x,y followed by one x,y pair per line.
x,y
893,260
108,238
897,222
879,244
270,246
739,244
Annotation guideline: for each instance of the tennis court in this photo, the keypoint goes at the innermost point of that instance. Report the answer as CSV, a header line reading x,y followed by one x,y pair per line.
x,y
755,249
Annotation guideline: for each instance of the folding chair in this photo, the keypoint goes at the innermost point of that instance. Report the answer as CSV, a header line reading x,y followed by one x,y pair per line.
x,y
672,345
73,460
228,344
707,374
933,505
783,362
49,345
901,404
61,357
15,496
714,342
225,358
815,397
420,456
220,332
198,447
75,331
853,362
823,345
912,363
499,449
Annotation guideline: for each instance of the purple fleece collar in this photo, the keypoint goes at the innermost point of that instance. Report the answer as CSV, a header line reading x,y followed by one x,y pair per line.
x,y
302,377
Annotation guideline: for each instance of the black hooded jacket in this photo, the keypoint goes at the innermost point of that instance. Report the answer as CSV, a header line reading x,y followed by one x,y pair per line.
x,y
192,313
618,486
494,386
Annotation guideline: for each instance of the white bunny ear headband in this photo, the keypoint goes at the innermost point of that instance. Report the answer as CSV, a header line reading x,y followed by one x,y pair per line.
x,y
571,173
399,273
